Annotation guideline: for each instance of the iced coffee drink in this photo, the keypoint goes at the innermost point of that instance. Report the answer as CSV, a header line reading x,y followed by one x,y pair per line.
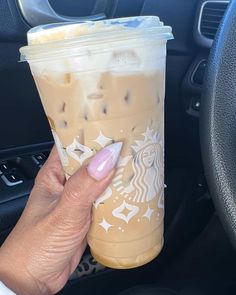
x,y
101,83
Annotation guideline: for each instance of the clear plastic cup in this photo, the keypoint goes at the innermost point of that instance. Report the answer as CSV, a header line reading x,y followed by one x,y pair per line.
x,y
100,83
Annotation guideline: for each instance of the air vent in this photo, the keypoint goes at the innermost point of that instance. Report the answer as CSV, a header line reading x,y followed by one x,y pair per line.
x,y
211,17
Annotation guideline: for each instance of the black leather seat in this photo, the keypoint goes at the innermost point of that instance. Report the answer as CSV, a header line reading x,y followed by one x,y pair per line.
x,y
148,290
186,289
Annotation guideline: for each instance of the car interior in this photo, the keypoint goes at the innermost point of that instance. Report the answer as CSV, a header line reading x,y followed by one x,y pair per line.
x,y
199,252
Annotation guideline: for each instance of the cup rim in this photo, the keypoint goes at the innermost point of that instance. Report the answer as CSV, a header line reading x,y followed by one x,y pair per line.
x,y
93,41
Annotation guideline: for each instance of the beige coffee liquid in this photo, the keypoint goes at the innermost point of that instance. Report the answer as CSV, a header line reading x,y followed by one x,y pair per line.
x,y
126,108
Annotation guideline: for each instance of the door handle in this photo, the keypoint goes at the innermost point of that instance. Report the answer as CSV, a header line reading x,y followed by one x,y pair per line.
x,y
39,12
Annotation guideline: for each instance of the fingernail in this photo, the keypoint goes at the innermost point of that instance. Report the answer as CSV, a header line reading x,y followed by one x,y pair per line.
x,y
104,161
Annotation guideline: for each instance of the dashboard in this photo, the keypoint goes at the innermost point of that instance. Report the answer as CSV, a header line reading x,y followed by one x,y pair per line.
x,y
208,19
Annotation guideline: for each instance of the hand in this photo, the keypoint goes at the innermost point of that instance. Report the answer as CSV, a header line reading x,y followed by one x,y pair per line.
x,y
47,243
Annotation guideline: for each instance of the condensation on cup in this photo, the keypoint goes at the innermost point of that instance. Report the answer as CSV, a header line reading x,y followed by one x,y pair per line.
x,y
102,82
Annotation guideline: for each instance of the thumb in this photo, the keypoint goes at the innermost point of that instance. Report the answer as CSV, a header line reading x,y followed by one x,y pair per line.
x,y
87,184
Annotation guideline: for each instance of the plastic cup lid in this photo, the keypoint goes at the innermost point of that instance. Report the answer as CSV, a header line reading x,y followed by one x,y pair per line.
x,y
48,38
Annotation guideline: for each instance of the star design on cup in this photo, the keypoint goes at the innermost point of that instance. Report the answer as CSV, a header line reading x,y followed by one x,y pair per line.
x,y
125,211
148,213
78,151
105,225
102,140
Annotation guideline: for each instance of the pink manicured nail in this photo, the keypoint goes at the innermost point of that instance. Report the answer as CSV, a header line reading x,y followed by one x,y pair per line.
x,y
104,161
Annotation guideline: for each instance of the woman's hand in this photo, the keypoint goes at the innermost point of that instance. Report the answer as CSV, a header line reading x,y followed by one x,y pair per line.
x,y
48,241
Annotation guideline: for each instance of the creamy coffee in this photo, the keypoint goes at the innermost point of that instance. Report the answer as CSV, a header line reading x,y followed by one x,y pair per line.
x,y
102,92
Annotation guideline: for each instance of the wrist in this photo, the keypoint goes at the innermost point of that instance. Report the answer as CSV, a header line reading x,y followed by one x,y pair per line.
x,y
19,281
19,284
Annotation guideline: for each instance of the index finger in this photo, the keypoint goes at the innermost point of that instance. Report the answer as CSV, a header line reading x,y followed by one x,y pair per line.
x,y
51,175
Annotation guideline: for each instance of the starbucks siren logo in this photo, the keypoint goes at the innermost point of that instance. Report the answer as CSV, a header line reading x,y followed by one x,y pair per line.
x,y
148,168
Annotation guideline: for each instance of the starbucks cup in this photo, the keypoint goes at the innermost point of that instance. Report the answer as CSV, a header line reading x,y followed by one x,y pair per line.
x,y
103,82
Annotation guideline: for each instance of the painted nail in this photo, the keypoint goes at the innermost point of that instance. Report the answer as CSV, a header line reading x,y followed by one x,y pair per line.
x,y
104,161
